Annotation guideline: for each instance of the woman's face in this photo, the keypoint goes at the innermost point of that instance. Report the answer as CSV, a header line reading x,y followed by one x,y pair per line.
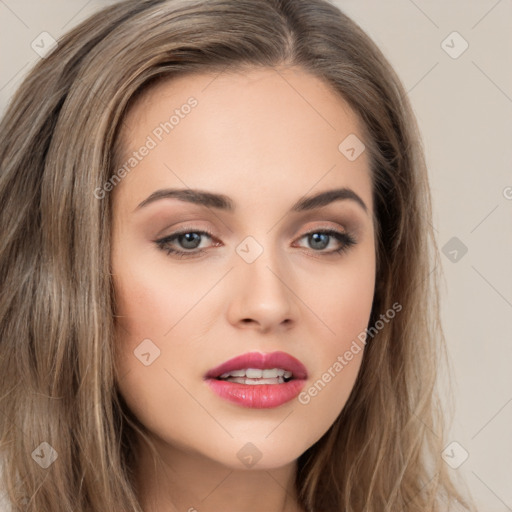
x,y
265,279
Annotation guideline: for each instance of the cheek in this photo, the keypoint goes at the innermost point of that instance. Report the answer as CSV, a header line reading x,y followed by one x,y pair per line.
x,y
342,299
344,306
349,314
143,303
150,299
148,304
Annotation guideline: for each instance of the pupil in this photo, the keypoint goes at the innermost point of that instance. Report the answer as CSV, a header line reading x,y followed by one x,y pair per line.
x,y
316,238
189,239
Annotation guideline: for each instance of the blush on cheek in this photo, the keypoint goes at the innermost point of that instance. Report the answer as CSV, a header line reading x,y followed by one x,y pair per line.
x,y
145,306
344,307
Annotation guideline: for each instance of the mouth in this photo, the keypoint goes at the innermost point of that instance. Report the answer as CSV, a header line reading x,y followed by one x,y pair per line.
x,y
255,366
257,376
258,380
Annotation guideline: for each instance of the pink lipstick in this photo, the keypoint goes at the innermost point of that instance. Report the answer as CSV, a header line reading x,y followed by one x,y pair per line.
x,y
258,380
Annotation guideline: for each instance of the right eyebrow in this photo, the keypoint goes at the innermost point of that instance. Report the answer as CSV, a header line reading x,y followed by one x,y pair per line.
x,y
199,197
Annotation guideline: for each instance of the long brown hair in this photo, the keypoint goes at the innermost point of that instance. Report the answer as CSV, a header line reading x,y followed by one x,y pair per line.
x,y
57,378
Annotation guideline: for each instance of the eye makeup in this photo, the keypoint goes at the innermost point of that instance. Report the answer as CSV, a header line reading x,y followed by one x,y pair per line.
x,y
168,243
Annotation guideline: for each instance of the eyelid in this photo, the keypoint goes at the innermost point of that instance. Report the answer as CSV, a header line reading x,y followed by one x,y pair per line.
x,y
342,236
209,232
187,229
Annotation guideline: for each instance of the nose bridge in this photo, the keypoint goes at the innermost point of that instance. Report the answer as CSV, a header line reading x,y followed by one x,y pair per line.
x,y
262,263
264,294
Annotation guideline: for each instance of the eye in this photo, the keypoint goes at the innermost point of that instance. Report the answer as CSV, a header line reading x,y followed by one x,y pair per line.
x,y
189,242
188,239
320,239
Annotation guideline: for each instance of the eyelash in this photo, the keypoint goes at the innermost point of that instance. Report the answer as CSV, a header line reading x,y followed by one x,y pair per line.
x,y
163,244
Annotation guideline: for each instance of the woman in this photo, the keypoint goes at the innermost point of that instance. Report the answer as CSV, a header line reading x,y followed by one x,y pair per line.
x,y
287,361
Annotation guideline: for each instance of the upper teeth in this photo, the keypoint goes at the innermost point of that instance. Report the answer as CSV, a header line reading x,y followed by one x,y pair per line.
x,y
256,373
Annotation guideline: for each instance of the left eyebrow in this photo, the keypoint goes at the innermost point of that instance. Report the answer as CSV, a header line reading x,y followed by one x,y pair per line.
x,y
327,197
223,202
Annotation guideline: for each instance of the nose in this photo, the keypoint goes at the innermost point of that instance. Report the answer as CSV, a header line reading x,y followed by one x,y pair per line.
x,y
263,296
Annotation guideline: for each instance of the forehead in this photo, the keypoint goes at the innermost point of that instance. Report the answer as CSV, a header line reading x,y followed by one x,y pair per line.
x,y
281,88
248,134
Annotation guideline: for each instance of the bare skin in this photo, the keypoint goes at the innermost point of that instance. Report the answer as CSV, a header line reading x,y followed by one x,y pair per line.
x,y
266,138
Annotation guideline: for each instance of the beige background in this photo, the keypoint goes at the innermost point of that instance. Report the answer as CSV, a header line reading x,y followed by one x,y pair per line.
x,y
464,107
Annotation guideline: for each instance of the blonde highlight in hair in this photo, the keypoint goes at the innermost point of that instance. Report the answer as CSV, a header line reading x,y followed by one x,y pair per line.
x,y
60,142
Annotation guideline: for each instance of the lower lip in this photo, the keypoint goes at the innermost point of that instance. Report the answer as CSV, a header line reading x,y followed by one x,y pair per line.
x,y
257,396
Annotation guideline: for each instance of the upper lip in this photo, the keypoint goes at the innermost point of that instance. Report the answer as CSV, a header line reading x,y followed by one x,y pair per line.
x,y
261,361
